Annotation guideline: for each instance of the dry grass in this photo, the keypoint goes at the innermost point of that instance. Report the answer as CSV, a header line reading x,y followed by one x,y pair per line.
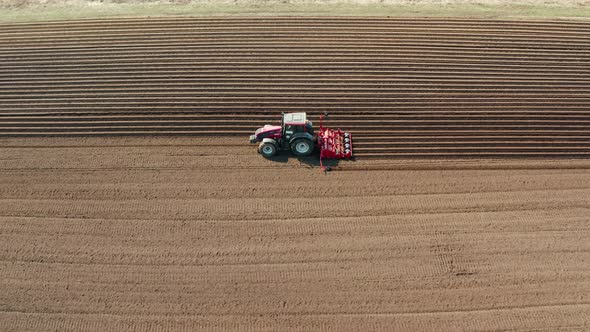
x,y
47,10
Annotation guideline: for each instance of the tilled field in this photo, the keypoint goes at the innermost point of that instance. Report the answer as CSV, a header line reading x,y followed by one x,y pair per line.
x,y
189,233
103,230
404,87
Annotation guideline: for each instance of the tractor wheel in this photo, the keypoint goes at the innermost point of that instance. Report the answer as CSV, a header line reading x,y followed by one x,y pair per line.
x,y
302,147
267,150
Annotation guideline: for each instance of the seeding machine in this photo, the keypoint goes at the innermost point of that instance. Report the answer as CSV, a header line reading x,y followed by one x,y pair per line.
x,y
297,135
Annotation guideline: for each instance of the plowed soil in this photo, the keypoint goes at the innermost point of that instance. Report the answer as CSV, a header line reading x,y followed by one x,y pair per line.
x,y
198,233
405,87
111,220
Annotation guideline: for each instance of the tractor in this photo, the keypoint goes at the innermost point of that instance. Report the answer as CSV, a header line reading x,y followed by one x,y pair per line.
x,y
296,134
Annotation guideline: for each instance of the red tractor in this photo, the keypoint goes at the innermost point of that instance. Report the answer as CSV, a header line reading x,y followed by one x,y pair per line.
x,y
297,135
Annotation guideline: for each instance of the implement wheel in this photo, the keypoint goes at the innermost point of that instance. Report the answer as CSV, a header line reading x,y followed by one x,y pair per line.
x,y
302,147
267,150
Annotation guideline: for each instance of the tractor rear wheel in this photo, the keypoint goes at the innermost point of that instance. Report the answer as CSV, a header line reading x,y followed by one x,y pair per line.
x,y
302,147
267,150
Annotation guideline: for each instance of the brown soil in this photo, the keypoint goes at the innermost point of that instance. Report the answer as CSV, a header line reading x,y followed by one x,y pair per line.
x,y
169,233
404,87
200,232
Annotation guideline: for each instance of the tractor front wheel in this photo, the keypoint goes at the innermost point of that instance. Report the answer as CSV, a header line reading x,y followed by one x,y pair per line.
x,y
302,147
267,150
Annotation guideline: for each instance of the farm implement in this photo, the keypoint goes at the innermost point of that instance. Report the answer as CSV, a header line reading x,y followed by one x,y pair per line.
x,y
296,134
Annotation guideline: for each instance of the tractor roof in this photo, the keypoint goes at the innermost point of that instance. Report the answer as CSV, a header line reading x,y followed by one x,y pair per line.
x,y
295,118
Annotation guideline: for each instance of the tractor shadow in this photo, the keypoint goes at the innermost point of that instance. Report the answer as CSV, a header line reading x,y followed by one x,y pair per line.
x,y
312,161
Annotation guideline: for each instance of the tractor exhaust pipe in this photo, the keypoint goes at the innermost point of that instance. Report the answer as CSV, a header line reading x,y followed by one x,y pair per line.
x,y
325,115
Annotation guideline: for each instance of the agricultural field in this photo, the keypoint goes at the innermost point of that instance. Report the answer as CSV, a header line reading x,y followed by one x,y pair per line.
x,y
404,87
171,233
130,198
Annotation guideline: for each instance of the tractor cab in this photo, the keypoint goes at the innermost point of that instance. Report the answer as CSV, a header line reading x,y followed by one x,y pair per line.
x,y
294,123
